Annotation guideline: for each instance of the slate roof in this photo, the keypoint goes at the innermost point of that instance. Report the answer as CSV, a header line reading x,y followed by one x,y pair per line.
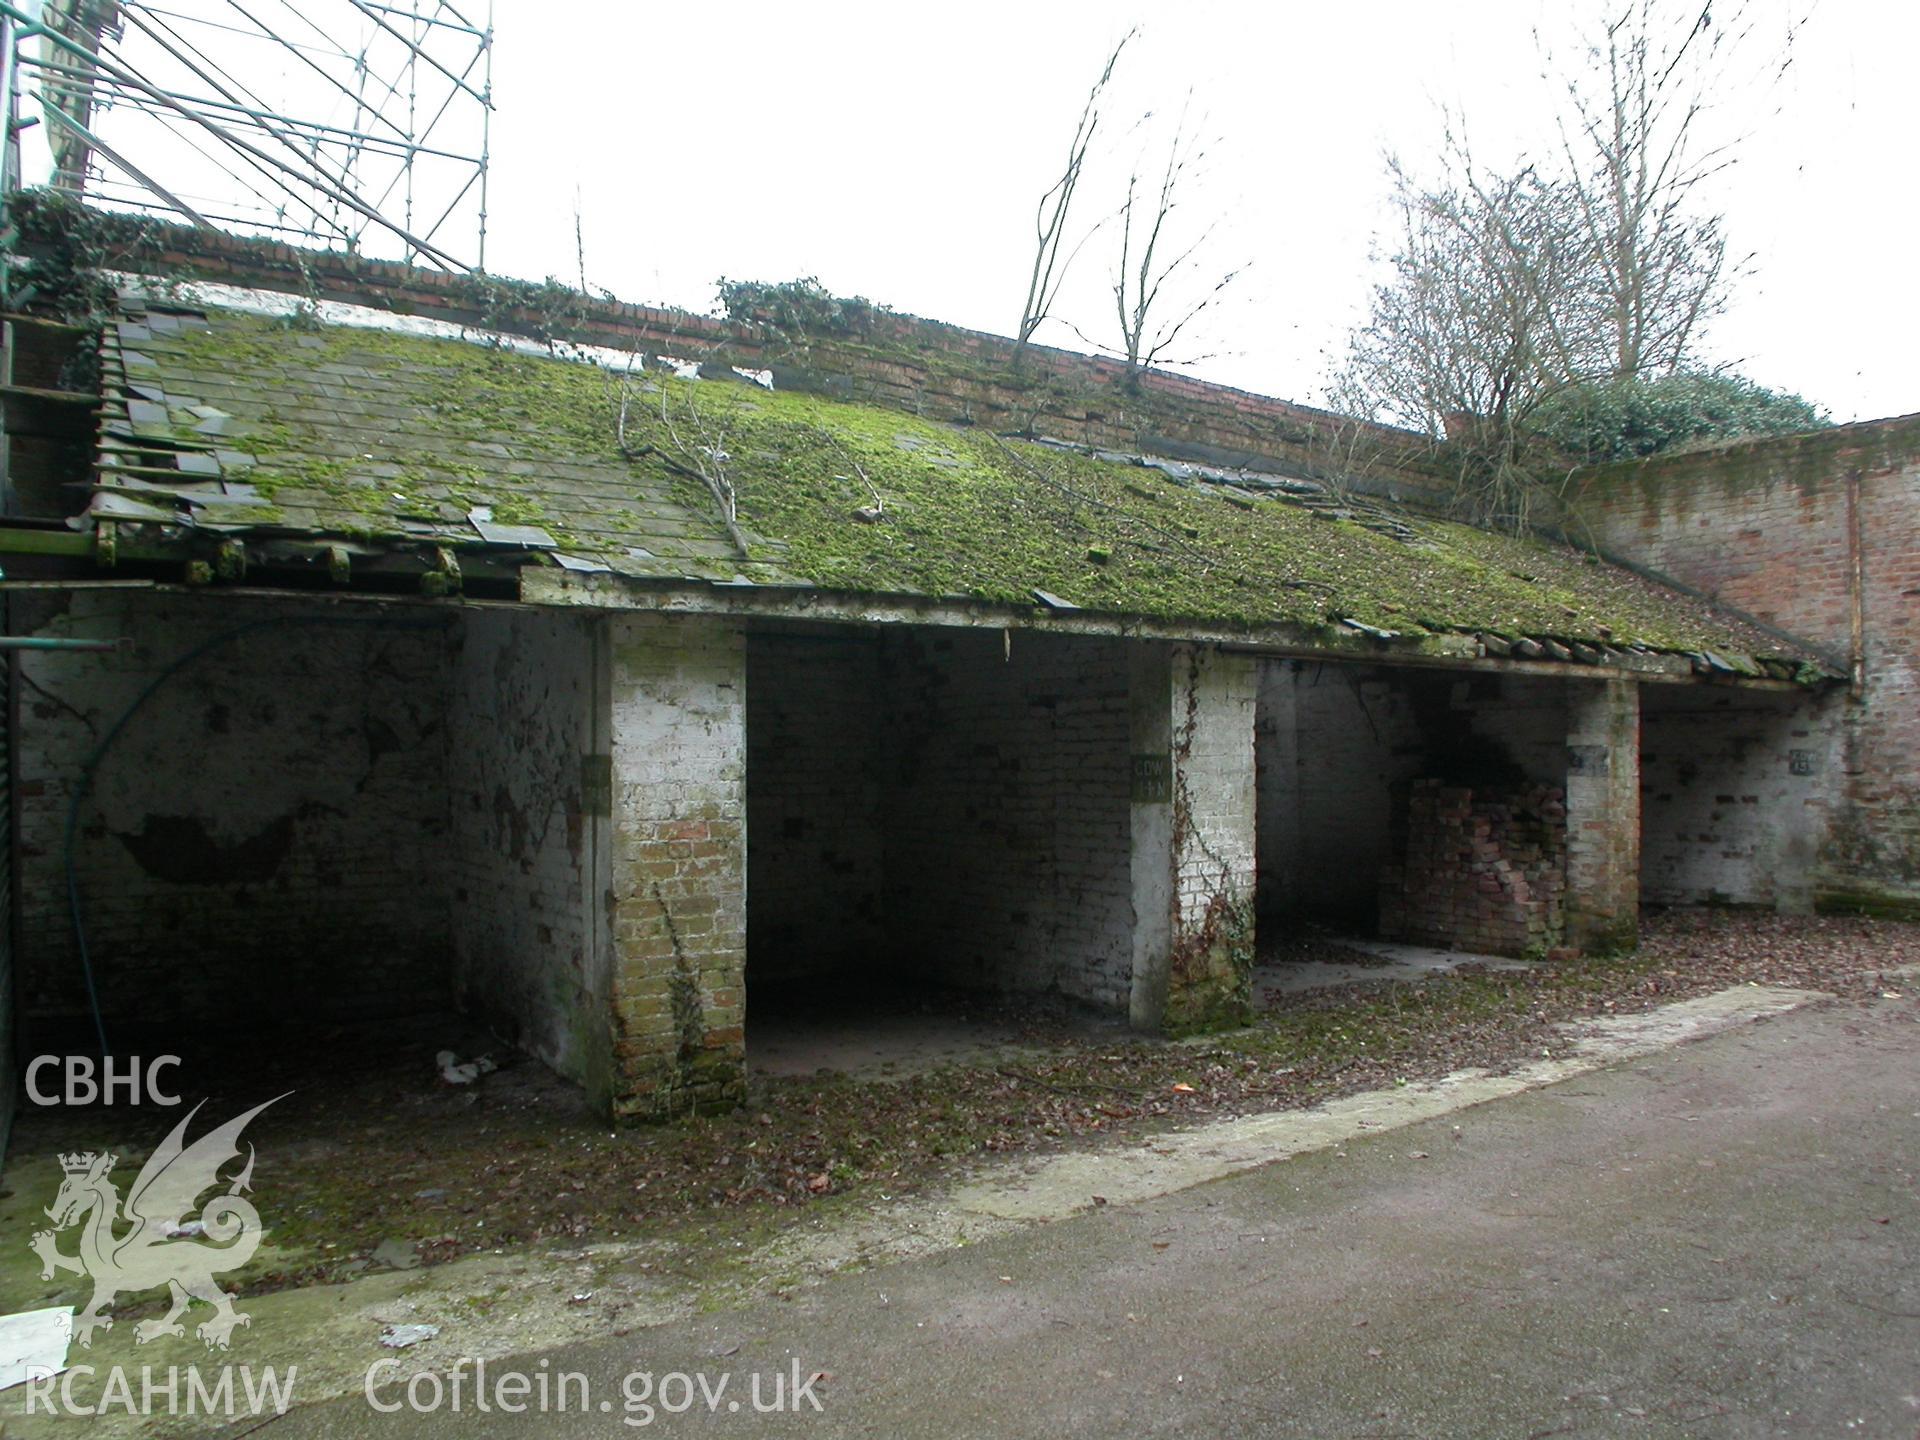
x,y
246,425
237,423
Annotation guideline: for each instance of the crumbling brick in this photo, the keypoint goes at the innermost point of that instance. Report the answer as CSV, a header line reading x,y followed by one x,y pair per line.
x,y
1483,872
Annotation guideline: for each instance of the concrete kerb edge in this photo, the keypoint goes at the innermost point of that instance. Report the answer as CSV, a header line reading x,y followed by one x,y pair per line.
x,y
1063,1185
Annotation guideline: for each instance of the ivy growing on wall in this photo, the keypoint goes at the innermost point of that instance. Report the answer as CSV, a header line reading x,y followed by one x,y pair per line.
x,y
803,305
1626,419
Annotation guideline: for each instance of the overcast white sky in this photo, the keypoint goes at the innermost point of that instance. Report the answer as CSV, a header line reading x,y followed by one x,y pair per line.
x,y
896,151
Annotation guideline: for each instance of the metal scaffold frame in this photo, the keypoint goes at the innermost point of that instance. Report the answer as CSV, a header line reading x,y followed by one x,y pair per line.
x,y
360,125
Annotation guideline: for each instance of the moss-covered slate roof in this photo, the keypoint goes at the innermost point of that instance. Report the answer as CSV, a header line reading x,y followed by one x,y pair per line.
x,y
256,425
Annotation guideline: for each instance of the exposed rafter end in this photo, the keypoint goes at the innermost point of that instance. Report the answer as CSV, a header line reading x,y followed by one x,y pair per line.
x,y
444,577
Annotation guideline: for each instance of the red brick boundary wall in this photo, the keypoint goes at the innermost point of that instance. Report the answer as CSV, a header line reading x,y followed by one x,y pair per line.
x,y
1818,535
899,361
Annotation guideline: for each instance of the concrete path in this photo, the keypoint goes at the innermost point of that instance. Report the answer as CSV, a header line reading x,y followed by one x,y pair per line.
x,y
1377,962
1716,1239
884,1047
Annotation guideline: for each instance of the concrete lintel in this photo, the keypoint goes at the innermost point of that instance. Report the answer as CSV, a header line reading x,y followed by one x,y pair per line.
x,y
543,586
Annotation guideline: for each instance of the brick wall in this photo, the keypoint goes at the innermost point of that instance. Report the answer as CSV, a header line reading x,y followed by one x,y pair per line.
x,y
1214,830
525,844
678,865
1603,815
1007,811
1795,531
817,813
1484,870
1735,790
1213,746
1515,730
1333,741
1339,746
265,840
900,361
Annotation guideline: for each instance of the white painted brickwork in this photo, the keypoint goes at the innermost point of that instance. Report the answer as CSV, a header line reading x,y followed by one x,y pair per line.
x,y
678,732
1213,738
1338,747
1007,831
1333,741
524,847
1737,788
266,839
1603,813
817,810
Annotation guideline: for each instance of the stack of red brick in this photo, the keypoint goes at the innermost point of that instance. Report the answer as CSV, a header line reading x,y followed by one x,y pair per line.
x,y
1479,871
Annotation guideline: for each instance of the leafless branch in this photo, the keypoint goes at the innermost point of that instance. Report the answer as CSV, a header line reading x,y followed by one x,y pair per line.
x,y
1050,215
870,513
1140,277
704,457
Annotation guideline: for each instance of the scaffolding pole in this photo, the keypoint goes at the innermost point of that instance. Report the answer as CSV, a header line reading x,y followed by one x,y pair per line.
x,y
149,106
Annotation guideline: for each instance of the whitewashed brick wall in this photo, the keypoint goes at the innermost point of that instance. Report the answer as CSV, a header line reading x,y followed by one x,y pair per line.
x,y
1007,812
1338,745
266,840
1333,742
1737,787
525,846
679,858
1213,740
817,809
1603,814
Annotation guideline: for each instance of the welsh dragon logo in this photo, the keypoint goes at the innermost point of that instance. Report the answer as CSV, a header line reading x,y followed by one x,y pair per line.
x,y
147,1246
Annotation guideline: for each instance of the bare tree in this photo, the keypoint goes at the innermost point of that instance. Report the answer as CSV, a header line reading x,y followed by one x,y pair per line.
x,y
1635,151
1469,322
1144,267
1599,261
1050,216
1465,337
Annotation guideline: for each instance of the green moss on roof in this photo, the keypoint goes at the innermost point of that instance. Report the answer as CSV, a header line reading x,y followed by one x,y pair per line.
x,y
363,427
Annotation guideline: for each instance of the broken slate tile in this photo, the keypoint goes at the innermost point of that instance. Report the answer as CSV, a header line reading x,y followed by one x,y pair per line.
x,y
529,536
145,416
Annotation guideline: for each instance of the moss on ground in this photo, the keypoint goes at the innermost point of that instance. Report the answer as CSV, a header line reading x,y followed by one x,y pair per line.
x,y
374,1149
